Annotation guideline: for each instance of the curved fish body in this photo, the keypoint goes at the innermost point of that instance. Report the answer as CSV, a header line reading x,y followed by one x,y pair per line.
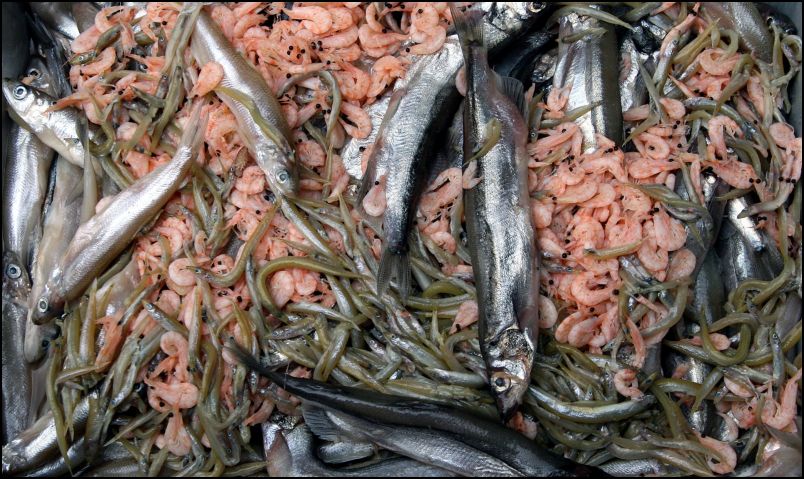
x,y
58,16
745,19
273,155
16,375
61,222
416,119
104,236
38,445
426,446
587,66
501,243
56,129
293,455
488,436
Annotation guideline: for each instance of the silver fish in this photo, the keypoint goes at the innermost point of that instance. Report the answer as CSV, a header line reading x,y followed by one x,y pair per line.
x,y
424,445
61,223
634,468
502,247
57,129
58,16
345,451
745,19
98,241
16,387
38,445
632,87
588,66
275,159
418,113
293,455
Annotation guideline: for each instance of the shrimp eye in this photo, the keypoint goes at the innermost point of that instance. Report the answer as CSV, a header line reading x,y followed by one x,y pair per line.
x,y
42,305
33,72
20,92
283,176
13,271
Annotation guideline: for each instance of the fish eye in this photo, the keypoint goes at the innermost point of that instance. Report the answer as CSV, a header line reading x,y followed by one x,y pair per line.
x,y
501,383
33,72
13,271
20,92
42,305
283,176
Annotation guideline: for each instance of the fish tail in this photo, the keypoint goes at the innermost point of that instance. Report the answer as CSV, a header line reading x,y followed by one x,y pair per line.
x,y
469,25
394,264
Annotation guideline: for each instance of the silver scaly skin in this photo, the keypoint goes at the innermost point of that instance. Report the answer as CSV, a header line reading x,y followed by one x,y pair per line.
x,y
275,160
98,241
588,65
292,454
501,243
745,19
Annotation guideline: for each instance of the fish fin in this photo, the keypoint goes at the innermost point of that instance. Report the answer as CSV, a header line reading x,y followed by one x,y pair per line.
x,y
321,425
515,91
394,264
469,25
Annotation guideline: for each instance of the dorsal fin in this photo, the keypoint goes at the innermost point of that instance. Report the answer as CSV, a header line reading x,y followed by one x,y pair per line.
x,y
513,89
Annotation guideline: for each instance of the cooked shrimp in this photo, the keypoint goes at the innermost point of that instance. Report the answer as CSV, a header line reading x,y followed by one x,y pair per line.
x,y
718,126
113,335
713,61
724,451
430,41
674,108
210,76
383,72
370,39
353,81
179,395
176,438
734,172
466,316
682,264
557,98
625,382
720,341
581,333
565,326
588,295
180,274
282,288
357,116
670,233
782,416
637,113
316,19
548,314
649,253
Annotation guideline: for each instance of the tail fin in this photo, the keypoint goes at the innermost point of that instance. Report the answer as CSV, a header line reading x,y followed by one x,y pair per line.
x,y
469,25
394,264
320,424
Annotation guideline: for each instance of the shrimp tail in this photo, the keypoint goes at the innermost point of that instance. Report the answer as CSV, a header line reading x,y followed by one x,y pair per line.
x,y
469,25
394,264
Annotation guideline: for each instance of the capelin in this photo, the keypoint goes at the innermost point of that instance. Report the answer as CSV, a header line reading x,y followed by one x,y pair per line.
x,y
510,361
19,97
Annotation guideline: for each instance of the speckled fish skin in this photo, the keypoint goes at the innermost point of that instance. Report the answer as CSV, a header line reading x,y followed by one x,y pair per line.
x,y
276,161
292,454
98,241
16,376
61,222
57,129
499,230
588,65
745,19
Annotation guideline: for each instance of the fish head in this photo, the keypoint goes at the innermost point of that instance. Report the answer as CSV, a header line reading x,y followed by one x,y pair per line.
x,y
47,306
40,77
511,359
508,19
27,105
282,175
15,278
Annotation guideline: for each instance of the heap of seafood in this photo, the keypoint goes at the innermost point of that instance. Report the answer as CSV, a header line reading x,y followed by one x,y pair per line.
x,y
424,239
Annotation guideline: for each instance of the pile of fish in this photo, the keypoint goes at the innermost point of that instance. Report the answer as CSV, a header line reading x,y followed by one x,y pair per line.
x,y
401,239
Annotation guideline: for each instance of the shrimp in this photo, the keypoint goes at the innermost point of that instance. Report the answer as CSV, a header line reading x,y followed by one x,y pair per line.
x,y
557,98
717,65
541,212
670,233
732,430
675,33
282,288
720,341
656,147
252,181
383,72
466,316
353,81
581,333
590,296
723,450
176,438
640,351
611,163
343,39
649,253
605,196
174,345
637,113
113,335
359,117
179,395
782,416
579,193
429,42
548,314
782,134
86,41
372,39
180,278
737,389
444,190
682,265
718,126
102,63
625,382
567,324
674,108
316,19
311,154
734,172
210,76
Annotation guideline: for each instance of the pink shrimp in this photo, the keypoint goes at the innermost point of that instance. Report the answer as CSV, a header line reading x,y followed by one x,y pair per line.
x,y
180,278
567,324
682,265
734,172
581,333
442,191
353,81
179,395
717,65
357,116
372,39
718,126
674,108
342,39
737,389
466,316
782,134
670,233
282,288
590,296
724,453
374,202
718,340
542,213
625,382
210,76
113,335
252,181
383,72
102,63
430,41
316,19
675,33
649,253
655,147
607,163
548,314
640,351
782,416
579,193
176,438
262,414
557,98
637,113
